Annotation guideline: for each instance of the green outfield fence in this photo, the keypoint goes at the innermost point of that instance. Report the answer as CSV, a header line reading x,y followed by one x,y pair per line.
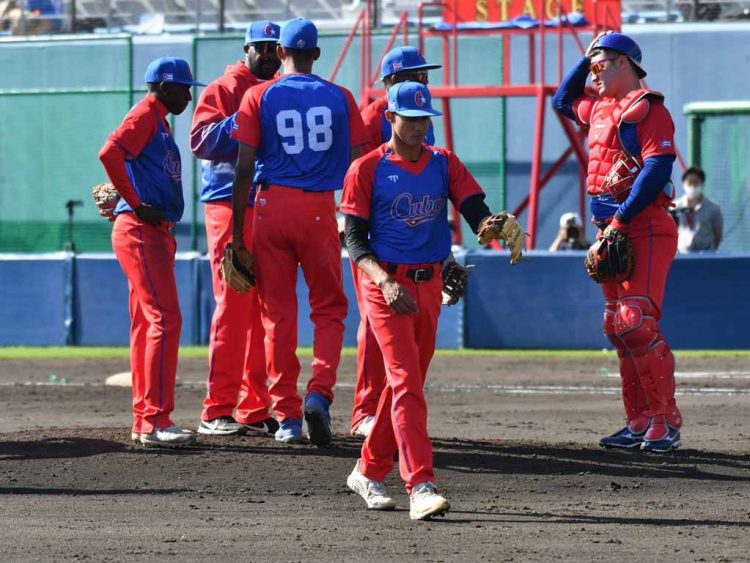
x,y
61,97
719,143
50,133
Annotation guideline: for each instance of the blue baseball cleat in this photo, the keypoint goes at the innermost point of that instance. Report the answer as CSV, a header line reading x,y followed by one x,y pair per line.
x,y
318,419
670,440
290,431
623,439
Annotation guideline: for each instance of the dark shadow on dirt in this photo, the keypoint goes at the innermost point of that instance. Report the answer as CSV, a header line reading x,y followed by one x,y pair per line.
x,y
529,459
87,492
552,518
64,447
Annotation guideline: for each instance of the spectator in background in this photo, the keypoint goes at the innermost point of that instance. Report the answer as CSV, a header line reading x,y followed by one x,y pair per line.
x,y
572,235
699,220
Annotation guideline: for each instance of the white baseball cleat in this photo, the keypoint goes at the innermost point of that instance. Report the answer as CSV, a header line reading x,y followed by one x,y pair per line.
x,y
365,427
170,437
135,436
425,502
374,492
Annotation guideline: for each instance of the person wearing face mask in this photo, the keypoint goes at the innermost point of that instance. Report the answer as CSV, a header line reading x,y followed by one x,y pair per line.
x,y
631,152
699,221
237,399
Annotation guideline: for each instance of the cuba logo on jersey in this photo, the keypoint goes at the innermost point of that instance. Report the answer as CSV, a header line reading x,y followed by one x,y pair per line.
x,y
172,166
414,213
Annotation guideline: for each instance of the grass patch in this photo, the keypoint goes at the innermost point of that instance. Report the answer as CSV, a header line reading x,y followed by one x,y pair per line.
x,y
193,352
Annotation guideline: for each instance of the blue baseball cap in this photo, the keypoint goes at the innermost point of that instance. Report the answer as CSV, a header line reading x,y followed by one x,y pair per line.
x,y
623,44
411,99
171,69
262,31
300,34
401,59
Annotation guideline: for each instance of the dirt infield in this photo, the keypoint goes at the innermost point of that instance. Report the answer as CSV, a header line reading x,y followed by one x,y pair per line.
x,y
514,450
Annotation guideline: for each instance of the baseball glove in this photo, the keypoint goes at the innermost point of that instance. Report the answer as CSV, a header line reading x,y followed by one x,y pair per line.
x,y
237,269
106,198
455,277
505,227
611,258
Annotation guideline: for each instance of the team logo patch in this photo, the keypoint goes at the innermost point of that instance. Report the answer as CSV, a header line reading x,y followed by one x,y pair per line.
x,y
414,213
172,166
268,31
397,66
167,76
419,98
393,178
665,144
301,43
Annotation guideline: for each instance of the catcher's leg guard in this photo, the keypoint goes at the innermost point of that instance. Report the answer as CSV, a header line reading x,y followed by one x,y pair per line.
x,y
633,395
636,325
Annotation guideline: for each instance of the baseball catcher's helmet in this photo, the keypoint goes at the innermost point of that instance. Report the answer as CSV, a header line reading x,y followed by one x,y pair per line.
x,y
625,45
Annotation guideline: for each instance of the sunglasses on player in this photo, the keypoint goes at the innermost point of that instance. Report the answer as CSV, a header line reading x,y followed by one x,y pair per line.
x,y
417,76
598,66
264,47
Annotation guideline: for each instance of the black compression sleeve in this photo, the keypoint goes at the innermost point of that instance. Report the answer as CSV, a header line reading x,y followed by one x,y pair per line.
x,y
474,210
357,242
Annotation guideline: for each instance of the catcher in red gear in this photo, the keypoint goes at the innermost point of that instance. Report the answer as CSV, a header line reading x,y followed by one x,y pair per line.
x,y
631,149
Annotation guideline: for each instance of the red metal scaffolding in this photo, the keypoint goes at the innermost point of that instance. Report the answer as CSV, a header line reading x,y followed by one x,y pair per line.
x,y
538,86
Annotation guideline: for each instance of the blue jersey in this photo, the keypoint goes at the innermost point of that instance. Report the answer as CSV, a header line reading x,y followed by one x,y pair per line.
x,y
156,175
406,203
304,128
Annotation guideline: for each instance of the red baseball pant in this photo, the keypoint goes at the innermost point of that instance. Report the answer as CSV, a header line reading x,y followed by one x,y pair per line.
x,y
236,356
631,322
298,228
408,344
370,367
146,255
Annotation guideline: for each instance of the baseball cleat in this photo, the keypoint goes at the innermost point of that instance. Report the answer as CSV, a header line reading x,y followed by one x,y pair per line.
x,y
221,426
135,437
661,438
425,502
623,439
373,492
262,428
365,427
170,437
290,432
318,420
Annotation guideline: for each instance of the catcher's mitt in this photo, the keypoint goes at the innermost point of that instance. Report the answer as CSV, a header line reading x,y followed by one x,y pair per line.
x,y
106,198
505,227
611,258
455,277
237,269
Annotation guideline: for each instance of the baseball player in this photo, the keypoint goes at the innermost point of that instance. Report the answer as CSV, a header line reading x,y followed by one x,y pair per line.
x,y
236,358
142,161
631,148
399,65
396,200
304,131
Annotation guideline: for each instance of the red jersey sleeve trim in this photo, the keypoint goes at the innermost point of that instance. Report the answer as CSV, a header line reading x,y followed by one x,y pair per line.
x,y
656,132
461,184
358,184
248,122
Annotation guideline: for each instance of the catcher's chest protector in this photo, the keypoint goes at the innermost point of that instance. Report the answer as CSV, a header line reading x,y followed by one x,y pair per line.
x,y
606,147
